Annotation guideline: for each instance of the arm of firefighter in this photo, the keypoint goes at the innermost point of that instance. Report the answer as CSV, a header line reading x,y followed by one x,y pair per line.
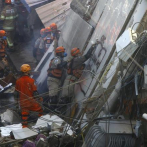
x,y
37,97
89,53
34,87
5,42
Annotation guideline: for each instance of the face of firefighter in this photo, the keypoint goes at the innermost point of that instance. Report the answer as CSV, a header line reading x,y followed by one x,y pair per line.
x,y
5,61
64,54
43,35
49,35
54,30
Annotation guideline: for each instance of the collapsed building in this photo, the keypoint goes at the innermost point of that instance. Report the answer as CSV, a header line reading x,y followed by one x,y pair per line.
x,y
109,103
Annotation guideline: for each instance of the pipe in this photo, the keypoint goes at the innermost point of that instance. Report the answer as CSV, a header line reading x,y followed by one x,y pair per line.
x,y
136,83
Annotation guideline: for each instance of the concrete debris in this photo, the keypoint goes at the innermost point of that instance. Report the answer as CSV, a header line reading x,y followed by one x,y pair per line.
x,y
10,117
46,120
5,131
23,133
57,125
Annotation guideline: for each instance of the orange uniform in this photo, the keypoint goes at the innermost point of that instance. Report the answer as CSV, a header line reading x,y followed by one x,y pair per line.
x,y
3,45
25,87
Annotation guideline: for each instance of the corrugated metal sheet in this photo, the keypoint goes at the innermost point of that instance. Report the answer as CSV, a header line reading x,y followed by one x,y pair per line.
x,y
54,12
30,3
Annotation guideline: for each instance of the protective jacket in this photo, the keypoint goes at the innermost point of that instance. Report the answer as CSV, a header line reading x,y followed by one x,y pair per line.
x,y
26,88
77,65
39,46
9,15
56,67
3,45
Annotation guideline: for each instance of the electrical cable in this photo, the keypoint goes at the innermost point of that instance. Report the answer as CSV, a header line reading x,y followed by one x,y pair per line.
x,y
52,89
61,104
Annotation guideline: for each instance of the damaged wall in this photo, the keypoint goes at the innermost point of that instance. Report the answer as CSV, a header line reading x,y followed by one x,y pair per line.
x,y
107,30
84,8
75,32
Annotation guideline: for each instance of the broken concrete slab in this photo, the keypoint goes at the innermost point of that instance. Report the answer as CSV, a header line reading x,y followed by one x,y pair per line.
x,y
23,133
46,120
75,32
10,116
5,131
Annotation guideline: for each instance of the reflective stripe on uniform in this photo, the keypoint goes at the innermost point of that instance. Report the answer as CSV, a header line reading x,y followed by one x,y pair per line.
x,y
2,17
9,44
8,28
9,17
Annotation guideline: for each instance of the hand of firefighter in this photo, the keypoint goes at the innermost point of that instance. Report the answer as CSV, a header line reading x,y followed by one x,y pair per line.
x,y
5,61
36,96
95,44
90,51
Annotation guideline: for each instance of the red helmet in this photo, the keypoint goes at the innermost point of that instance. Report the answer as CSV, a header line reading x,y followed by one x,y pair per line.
x,y
75,51
60,49
42,31
53,26
2,33
48,29
8,1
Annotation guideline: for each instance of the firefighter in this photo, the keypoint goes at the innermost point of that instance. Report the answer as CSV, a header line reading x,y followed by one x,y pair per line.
x,y
3,60
55,33
48,39
8,16
21,24
3,44
55,71
39,47
74,70
27,93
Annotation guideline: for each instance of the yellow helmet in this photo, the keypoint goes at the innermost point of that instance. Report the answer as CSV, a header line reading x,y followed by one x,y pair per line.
x,y
25,68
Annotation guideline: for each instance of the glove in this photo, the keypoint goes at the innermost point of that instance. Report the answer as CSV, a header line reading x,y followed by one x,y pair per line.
x,y
89,53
